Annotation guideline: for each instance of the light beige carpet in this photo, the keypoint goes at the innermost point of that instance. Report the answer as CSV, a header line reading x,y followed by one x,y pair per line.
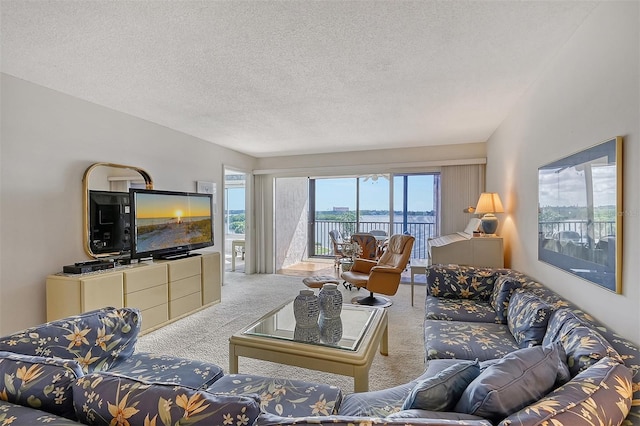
x,y
245,298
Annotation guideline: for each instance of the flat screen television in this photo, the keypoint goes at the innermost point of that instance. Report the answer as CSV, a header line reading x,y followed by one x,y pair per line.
x,y
109,222
169,224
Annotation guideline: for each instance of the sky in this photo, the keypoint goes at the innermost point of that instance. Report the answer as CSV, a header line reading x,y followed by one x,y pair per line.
x,y
567,186
374,194
161,205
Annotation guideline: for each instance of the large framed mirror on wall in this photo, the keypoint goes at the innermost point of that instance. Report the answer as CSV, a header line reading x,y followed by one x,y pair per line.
x,y
106,223
580,214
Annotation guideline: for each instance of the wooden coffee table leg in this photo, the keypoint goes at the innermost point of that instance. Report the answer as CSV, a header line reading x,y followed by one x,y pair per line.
x,y
384,342
233,359
361,379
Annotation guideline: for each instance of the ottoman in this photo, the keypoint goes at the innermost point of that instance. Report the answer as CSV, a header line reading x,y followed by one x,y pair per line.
x,y
320,280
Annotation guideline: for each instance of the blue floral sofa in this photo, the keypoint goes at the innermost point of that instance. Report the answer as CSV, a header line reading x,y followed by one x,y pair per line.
x,y
500,348
84,370
488,314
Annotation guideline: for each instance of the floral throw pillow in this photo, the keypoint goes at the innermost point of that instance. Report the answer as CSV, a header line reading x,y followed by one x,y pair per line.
x,y
40,383
502,291
109,399
527,318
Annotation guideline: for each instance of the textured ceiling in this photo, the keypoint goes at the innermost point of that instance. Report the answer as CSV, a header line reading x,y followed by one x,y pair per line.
x,y
273,78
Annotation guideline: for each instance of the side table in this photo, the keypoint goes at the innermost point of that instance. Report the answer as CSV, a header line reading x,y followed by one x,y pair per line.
x,y
418,266
235,245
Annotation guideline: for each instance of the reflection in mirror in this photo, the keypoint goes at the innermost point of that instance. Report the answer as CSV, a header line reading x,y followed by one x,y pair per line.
x,y
579,214
106,207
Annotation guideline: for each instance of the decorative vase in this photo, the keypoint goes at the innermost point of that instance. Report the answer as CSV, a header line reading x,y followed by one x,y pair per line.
x,y
306,308
346,265
310,334
330,301
330,330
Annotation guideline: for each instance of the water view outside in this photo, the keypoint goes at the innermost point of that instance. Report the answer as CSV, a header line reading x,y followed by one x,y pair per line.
x,y
352,205
422,227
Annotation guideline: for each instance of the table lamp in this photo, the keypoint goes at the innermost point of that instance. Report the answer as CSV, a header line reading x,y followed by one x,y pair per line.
x,y
488,204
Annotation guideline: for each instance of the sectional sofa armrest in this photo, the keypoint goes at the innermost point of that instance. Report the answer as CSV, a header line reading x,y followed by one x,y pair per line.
x,y
98,340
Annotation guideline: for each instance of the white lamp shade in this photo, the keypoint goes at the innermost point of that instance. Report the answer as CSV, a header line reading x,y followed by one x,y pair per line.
x,y
489,202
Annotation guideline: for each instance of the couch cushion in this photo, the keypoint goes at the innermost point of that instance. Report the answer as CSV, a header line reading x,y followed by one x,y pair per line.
x,y
442,391
109,399
96,339
460,282
383,403
448,416
602,393
513,382
504,286
527,318
470,310
380,403
438,419
40,383
169,369
467,340
583,345
15,415
283,396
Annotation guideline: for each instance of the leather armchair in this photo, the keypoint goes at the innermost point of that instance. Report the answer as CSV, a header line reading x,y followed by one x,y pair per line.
x,y
382,276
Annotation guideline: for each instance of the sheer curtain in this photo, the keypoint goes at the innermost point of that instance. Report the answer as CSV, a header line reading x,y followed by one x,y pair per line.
x,y
263,236
461,187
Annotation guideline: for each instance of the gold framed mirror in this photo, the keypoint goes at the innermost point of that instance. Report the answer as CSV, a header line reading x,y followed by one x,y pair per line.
x,y
105,201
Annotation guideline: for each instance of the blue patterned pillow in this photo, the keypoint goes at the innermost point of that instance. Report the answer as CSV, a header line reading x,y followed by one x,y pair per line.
x,y
603,392
527,318
499,299
460,282
37,382
513,382
442,391
583,345
109,399
96,339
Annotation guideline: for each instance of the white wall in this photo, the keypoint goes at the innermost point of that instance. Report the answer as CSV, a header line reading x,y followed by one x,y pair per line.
x,y
409,160
290,217
48,140
589,93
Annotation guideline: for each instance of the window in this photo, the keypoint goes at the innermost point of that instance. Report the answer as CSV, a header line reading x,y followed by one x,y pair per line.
x,y
362,204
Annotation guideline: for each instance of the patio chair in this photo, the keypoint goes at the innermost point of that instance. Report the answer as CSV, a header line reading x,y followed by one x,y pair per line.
x,y
383,239
368,245
338,245
382,276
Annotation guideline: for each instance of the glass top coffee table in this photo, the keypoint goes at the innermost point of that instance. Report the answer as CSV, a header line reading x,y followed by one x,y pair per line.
x,y
343,346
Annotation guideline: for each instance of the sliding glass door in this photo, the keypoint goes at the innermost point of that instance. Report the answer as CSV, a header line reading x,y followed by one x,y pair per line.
x,y
416,208
372,203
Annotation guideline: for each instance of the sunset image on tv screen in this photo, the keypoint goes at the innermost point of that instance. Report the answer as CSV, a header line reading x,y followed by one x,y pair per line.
x,y
165,221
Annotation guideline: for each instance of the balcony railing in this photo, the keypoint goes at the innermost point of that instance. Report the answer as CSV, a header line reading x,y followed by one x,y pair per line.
x,y
422,231
601,229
